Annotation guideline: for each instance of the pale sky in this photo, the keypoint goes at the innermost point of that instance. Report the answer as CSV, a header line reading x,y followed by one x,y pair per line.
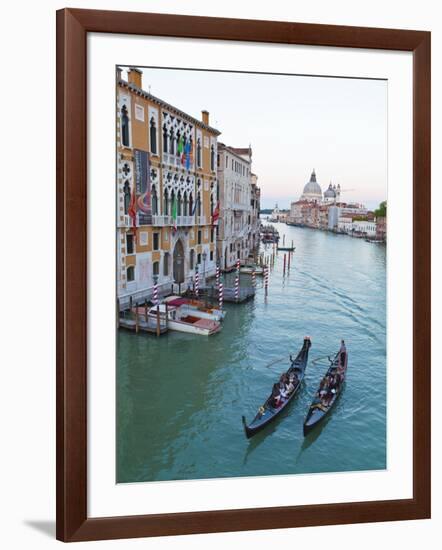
x,y
338,126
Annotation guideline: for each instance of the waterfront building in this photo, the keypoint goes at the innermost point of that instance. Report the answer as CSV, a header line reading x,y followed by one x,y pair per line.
x,y
345,224
238,234
256,207
166,192
381,228
278,215
364,228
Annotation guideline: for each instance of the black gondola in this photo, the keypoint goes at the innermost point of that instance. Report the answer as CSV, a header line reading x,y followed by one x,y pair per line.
x,y
322,404
268,411
287,248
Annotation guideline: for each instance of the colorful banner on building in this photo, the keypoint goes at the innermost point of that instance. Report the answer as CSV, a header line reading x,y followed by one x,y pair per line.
x,y
143,187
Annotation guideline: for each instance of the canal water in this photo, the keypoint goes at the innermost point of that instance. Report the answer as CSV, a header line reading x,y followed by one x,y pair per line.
x,y
180,397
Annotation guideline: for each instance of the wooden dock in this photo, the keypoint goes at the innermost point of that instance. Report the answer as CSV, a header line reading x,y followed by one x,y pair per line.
x,y
138,322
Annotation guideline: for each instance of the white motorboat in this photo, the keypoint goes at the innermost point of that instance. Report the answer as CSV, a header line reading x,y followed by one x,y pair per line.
x,y
183,321
196,308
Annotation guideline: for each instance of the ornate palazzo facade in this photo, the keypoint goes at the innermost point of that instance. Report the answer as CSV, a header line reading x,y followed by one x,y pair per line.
x,y
167,192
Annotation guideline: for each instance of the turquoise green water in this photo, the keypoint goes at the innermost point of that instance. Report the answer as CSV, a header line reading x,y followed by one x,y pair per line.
x,y
180,397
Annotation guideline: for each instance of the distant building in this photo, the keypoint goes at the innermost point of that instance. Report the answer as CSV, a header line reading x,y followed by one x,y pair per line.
x,y
278,215
312,190
364,228
239,205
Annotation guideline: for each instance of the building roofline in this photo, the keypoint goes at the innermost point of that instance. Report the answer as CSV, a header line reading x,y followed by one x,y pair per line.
x,y
163,103
232,151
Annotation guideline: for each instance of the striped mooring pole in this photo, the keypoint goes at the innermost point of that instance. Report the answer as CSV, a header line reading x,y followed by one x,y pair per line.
x,y
237,286
220,295
254,278
197,282
155,291
266,280
217,275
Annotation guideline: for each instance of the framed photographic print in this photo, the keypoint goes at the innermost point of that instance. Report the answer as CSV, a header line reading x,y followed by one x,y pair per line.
x,y
242,337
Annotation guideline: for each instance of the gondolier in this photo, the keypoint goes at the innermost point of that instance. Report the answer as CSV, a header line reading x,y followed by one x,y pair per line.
x,y
342,352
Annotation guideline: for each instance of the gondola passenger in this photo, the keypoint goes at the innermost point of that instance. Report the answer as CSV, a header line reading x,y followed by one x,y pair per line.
x,y
276,396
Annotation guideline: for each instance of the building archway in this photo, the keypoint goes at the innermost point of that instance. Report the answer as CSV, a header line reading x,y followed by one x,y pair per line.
x,y
178,262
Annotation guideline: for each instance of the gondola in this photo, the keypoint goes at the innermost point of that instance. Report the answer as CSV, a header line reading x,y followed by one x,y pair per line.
x,y
268,412
286,248
319,408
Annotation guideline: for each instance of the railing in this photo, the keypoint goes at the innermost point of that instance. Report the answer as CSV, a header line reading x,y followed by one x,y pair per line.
x,y
161,221
173,160
185,220
201,220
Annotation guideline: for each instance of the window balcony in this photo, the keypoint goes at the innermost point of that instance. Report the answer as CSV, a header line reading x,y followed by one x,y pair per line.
x,y
201,220
185,221
161,221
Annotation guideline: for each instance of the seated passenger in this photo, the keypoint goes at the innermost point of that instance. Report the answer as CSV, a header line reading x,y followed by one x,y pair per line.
x,y
276,396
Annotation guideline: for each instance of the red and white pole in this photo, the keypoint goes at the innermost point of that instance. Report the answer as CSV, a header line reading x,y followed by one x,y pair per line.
x,y
217,275
220,295
197,282
266,279
237,286
155,293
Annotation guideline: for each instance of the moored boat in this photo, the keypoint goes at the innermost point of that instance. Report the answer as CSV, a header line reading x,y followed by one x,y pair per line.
x,y
272,406
249,269
195,307
328,392
182,321
287,248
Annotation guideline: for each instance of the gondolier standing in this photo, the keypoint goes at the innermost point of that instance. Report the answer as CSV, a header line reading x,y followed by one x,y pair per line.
x,y
342,352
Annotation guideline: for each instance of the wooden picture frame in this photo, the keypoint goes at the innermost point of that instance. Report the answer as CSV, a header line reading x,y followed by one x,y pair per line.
x,y
73,523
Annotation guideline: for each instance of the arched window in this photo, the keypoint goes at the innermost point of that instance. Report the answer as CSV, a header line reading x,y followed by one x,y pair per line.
x,y
190,204
166,203
153,136
185,204
198,206
178,206
126,191
124,126
172,199
192,259
130,273
154,201
211,205
212,158
171,142
198,153
165,139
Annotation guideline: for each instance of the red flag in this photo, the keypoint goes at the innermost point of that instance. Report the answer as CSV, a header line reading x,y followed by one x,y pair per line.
x,y
215,215
132,210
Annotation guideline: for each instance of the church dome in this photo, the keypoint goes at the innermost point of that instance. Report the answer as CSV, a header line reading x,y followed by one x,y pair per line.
x,y
312,189
330,192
